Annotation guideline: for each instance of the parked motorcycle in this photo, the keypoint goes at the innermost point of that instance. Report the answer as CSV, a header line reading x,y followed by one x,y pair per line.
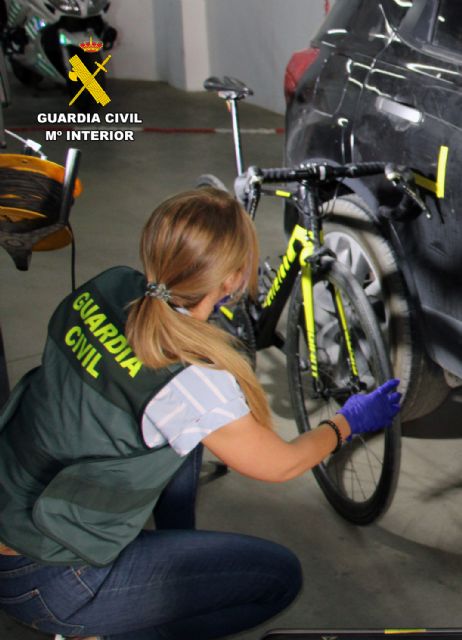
x,y
42,35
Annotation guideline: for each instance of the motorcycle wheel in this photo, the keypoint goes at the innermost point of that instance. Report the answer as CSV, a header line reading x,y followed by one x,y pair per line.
x,y
25,76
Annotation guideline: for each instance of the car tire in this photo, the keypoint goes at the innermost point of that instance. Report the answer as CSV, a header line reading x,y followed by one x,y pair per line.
x,y
351,232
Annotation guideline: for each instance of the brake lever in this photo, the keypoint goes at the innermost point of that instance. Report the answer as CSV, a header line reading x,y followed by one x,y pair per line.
x,y
247,188
402,181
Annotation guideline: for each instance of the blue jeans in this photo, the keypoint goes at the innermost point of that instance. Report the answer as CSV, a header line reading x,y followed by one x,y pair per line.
x,y
174,583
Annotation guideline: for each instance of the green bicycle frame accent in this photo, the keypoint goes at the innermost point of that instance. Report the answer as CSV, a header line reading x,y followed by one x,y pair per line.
x,y
307,287
299,236
300,249
346,333
308,309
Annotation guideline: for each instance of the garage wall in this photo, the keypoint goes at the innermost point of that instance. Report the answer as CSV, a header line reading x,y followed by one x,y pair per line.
x,y
134,55
254,39
168,37
184,41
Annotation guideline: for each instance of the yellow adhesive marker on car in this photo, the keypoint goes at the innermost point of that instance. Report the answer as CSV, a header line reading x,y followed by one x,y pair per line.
x,y
438,187
441,175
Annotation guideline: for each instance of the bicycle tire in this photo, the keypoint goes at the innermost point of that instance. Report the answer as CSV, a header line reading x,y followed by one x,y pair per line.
x,y
359,481
210,180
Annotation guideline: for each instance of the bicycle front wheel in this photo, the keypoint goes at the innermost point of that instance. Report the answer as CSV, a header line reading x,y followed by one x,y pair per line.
x,y
360,479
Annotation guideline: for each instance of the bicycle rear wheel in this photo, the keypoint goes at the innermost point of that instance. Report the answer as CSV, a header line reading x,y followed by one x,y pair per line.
x,y
210,180
236,319
359,480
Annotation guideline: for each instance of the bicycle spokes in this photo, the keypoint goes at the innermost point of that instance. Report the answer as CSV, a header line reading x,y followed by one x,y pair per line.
x,y
357,479
330,346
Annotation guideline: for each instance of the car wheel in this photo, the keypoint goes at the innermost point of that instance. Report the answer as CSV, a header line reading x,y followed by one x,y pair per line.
x,y
350,232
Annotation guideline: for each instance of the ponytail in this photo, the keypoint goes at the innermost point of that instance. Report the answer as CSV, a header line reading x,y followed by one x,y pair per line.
x,y
160,336
191,244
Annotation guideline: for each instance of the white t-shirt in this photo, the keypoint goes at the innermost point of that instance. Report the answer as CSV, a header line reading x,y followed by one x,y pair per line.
x,y
196,402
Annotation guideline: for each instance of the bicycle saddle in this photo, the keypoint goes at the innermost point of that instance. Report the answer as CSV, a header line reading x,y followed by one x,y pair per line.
x,y
228,85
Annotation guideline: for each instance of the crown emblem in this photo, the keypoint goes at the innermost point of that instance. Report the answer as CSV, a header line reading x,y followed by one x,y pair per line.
x,y
91,47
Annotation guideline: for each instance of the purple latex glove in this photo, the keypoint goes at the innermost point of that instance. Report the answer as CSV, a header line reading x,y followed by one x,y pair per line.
x,y
372,411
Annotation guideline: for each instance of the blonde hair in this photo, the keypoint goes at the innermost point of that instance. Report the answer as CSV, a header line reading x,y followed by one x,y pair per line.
x,y
191,243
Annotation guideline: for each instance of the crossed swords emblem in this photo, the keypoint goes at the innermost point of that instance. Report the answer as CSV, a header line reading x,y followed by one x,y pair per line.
x,y
80,72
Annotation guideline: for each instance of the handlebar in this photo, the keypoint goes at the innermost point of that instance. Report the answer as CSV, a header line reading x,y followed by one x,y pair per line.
x,y
323,172
320,172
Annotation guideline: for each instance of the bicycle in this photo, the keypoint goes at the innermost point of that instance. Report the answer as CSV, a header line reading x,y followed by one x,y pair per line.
x,y
334,346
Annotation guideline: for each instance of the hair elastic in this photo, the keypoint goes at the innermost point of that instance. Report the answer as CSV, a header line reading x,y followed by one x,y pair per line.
x,y
159,291
334,427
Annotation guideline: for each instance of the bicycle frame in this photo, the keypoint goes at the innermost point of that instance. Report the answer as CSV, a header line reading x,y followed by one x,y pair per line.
x,y
300,257
304,254
321,362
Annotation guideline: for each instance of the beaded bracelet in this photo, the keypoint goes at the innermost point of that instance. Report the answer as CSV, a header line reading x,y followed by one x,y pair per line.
x,y
333,426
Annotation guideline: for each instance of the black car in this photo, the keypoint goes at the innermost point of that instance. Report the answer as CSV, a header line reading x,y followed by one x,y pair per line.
x,y
383,81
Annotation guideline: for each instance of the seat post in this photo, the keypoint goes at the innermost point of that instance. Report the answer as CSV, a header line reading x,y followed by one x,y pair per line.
x,y
233,108
232,90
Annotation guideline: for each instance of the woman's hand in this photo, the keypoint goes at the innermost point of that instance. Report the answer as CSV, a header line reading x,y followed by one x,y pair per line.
x,y
374,410
255,451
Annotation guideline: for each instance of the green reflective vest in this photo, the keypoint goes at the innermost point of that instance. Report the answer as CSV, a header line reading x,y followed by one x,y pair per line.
x,y
77,482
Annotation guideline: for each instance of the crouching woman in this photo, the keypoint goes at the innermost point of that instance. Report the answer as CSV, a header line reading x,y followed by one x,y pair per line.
x,y
110,428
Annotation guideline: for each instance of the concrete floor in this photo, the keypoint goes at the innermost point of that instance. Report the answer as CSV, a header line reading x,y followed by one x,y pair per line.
x,y
405,570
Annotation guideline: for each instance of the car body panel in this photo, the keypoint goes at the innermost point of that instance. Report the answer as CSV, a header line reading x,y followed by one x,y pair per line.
x,y
384,88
